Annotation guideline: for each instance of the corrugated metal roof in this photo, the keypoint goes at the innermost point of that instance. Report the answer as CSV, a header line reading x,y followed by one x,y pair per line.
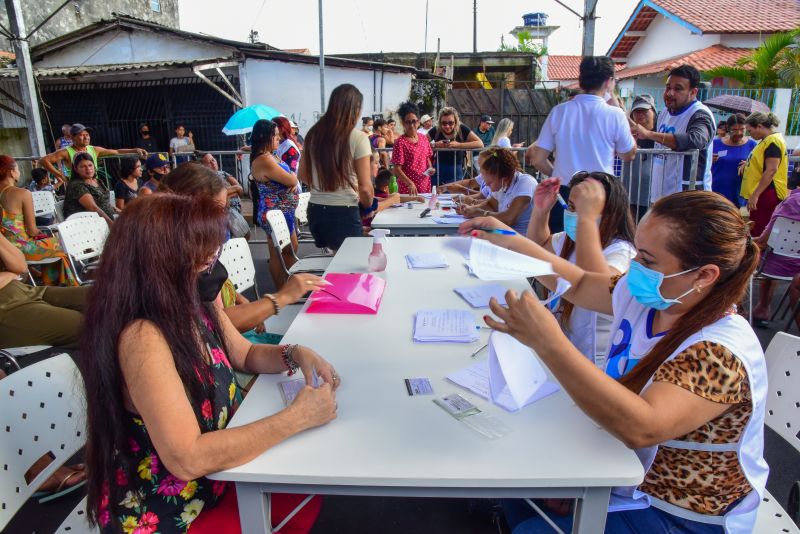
x,y
68,72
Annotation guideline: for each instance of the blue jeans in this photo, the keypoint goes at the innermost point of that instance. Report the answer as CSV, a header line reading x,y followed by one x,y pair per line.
x,y
523,520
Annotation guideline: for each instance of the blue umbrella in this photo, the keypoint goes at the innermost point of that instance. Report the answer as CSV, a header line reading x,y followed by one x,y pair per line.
x,y
243,120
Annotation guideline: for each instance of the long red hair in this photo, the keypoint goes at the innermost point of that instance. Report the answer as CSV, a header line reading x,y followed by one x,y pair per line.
x,y
285,128
7,164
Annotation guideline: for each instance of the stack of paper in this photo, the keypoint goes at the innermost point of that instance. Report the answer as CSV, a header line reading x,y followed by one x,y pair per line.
x,y
512,378
428,260
490,262
478,296
445,326
449,218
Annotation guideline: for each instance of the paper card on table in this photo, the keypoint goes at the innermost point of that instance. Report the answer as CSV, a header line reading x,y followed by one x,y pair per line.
x,y
449,218
443,326
514,368
478,296
490,262
348,293
458,244
427,260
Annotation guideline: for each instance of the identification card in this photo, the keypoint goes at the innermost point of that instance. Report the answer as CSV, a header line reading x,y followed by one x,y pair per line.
x,y
418,386
457,406
290,388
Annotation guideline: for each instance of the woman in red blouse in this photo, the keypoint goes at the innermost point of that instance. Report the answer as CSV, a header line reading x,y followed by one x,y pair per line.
x,y
411,156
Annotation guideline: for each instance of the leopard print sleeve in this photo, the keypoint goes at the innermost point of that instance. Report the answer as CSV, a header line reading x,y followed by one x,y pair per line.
x,y
613,284
709,370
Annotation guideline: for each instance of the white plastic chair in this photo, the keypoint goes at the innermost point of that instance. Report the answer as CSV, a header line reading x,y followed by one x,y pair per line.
x,y
11,354
281,238
60,210
42,413
82,215
783,416
83,238
301,218
784,240
44,203
238,260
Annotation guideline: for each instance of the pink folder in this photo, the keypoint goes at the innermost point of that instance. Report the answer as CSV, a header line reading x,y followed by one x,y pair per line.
x,y
349,293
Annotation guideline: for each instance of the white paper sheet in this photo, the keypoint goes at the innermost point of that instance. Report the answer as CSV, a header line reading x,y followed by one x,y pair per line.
x,y
476,379
449,219
490,262
478,296
443,326
458,244
427,260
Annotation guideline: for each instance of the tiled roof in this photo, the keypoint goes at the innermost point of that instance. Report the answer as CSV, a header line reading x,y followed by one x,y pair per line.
x,y
711,16
705,59
735,16
566,67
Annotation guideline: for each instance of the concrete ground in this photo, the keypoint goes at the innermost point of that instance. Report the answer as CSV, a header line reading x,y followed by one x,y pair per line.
x,y
403,515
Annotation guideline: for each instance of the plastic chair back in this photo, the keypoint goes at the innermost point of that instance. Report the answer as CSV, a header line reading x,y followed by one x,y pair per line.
x,y
783,402
60,210
83,238
238,261
301,212
43,413
784,239
44,203
279,230
82,215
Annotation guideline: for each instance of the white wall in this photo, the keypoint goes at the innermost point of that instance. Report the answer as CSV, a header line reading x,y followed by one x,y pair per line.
x,y
118,46
666,39
293,88
747,40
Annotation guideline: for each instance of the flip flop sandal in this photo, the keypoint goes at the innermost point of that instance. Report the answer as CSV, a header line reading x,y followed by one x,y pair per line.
x,y
61,490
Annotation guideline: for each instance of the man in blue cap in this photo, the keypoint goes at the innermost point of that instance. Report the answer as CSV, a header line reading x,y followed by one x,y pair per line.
x,y
157,167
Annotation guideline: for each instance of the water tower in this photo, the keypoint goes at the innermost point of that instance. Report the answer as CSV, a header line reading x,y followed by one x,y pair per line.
x,y
535,24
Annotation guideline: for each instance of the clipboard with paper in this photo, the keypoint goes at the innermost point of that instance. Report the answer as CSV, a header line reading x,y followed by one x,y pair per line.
x,y
348,294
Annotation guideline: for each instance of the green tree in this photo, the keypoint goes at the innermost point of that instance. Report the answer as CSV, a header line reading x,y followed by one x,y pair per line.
x,y
773,64
525,43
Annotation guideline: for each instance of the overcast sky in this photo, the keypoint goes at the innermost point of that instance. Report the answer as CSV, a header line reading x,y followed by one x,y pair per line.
x,y
355,26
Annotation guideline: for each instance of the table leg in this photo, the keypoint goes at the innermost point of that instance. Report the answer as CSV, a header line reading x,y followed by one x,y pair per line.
x,y
253,509
591,511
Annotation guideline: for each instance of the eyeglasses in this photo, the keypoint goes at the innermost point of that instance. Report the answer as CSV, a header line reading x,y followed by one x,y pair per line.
x,y
411,122
597,175
448,123
214,260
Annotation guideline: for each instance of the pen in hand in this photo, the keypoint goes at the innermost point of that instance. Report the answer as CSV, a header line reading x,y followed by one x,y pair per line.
x,y
497,231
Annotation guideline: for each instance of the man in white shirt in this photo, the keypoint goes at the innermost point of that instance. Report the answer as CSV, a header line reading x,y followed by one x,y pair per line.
x,y
425,124
584,132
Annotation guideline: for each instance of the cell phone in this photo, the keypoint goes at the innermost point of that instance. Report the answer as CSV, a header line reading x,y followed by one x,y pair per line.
x,y
424,213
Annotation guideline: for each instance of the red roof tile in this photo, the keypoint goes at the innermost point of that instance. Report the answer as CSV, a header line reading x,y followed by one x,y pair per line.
x,y
566,67
735,16
705,59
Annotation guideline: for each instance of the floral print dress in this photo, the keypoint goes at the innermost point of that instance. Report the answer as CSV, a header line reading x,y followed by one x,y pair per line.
x,y
154,500
274,195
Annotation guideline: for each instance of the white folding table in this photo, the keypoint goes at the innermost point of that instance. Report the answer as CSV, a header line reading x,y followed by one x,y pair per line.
x,y
403,221
386,443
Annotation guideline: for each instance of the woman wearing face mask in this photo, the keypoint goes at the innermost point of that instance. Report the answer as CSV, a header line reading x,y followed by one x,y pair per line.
x,y
598,238
728,153
511,200
158,361
686,379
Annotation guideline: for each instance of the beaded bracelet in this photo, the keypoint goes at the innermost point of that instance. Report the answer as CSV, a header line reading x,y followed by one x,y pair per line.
x,y
286,353
274,303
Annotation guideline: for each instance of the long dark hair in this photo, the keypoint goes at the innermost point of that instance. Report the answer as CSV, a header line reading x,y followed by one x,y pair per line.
x,y
261,138
148,272
706,228
327,145
127,166
616,223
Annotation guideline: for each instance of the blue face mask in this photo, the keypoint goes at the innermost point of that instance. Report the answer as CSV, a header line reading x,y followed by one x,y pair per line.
x,y
645,286
571,224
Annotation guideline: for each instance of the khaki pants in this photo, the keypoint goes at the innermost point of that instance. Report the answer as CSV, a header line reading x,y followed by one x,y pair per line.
x,y
41,315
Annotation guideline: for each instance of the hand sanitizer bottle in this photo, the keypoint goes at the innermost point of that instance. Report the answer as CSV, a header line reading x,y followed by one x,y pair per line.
x,y
377,258
433,200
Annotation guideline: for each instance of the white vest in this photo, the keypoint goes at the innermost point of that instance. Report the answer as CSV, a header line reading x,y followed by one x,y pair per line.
x,y
734,333
583,324
667,174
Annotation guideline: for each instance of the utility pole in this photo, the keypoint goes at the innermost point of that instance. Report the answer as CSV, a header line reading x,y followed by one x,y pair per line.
x,y
588,19
425,53
588,27
27,84
475,26
321,64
